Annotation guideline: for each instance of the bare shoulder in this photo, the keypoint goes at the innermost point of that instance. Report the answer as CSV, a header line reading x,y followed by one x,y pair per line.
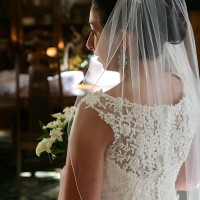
x,y
89,127
177,88
89,138
172,88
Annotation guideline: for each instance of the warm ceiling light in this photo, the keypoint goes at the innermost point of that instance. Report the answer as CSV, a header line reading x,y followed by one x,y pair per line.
x,y
61,45
37,2
51,51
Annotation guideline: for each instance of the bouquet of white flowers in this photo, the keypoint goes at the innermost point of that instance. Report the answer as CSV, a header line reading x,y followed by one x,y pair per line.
x,y
54,140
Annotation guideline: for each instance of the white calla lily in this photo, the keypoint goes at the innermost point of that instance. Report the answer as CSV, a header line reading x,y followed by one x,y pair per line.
x,y
57,134
60,124
51,125
44,145
57,115
56,131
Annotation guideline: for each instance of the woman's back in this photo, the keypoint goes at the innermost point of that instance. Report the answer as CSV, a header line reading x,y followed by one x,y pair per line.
x,y
130,143
138,162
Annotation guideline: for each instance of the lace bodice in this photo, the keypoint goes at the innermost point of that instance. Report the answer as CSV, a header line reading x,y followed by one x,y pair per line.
x,y
141,164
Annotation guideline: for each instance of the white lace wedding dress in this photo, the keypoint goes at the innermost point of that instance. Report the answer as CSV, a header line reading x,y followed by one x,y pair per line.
x,y
137,166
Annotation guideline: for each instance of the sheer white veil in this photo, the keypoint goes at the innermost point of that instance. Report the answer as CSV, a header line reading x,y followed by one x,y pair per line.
x,y
150,44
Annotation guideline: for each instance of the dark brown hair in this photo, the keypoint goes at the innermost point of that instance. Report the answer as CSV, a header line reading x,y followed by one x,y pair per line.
x,y
174,32
175,19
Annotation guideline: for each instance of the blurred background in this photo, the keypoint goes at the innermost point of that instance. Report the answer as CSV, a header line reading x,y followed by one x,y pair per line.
x,y
43,60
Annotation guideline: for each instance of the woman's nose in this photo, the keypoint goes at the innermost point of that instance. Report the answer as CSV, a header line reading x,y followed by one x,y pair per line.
x,y
90,43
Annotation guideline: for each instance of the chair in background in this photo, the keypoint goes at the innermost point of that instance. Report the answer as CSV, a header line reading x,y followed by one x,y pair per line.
x,y
37,44
53,65
40,103
40,107
54,71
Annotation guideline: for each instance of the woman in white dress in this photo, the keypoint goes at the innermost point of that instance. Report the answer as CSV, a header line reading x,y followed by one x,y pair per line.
x,y
139,139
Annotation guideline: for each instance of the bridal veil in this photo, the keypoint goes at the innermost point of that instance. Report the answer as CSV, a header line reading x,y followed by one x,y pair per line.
x,y
150,45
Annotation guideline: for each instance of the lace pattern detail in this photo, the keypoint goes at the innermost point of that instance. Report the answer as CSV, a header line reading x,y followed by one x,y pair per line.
x,y
138,149
125,187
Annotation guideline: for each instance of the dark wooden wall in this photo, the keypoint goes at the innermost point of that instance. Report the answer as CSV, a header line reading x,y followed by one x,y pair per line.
x,y
195,21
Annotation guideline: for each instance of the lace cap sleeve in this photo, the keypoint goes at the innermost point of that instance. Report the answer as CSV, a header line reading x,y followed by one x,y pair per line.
x,y
105,107
92,100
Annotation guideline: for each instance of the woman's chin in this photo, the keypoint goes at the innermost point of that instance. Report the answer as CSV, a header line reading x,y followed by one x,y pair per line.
x,y
104,64
99,59
101,62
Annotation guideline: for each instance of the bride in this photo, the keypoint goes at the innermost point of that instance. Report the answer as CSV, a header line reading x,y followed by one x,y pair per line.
x,y
140,139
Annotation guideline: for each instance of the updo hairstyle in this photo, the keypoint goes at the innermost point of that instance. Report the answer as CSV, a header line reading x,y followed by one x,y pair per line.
x,y
176,23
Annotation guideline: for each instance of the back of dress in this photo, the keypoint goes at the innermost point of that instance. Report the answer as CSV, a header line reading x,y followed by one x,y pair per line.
x,y
153,119
138,163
